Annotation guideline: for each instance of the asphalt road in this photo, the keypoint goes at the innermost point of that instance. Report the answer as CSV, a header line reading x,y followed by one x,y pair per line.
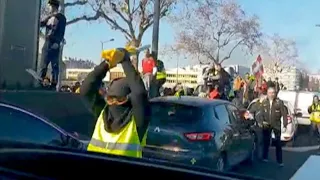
x,y
293,158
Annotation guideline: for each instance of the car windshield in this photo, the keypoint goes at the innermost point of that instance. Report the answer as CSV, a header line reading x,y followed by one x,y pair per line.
x,y
164,80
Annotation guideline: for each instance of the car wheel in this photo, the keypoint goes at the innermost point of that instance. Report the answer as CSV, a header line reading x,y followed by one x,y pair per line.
x,y
221,163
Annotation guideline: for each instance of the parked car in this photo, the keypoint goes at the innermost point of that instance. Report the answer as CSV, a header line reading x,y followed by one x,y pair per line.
x,y
300,101
288,134
19,125
199,132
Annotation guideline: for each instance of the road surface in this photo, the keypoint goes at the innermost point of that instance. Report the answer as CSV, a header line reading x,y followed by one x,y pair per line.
x,y
293,158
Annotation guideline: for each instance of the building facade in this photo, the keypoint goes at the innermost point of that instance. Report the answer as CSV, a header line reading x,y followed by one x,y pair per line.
x,y
188,76
185,76
290,77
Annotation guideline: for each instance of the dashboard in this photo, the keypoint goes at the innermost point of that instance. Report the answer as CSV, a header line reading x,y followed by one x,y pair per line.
x,y
20,163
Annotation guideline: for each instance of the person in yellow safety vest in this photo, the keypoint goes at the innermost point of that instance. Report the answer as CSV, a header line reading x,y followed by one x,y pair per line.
x,y
314,111
179,91
78,90
160,79
124,111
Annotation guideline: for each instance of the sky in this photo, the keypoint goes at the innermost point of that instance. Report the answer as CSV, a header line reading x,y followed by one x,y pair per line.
x,y
294,19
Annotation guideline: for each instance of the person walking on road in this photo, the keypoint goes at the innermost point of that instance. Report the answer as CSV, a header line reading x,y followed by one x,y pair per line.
x,y
257,112
124,112
273,110
314,111
55,25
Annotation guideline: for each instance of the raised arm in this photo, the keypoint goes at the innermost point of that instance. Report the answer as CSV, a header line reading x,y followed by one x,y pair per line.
x,y
91,85
138,97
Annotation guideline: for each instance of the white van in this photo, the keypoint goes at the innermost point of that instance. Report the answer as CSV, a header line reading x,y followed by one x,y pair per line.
x,y
300,100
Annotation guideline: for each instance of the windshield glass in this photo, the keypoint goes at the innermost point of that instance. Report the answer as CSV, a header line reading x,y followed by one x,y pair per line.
x,y
165,80
171,112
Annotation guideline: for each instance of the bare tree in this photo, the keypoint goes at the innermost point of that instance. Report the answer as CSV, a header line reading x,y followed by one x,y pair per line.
x,y
213,29
279,54
131,17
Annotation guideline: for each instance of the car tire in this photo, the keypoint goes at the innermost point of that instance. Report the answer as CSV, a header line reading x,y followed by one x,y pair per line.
x,y
222,163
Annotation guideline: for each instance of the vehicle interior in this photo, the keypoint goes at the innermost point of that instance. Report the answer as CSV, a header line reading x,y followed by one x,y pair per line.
x,y
57,163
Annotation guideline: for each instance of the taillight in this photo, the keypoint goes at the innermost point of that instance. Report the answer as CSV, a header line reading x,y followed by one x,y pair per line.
x,y
289,118
199,136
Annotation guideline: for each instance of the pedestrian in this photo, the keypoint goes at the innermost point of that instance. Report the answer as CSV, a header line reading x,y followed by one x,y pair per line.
x,y
277,85
273,110
257,113
124,110
149,69
314,111
236,100
159,80
270,83
178,90
55,25
214,92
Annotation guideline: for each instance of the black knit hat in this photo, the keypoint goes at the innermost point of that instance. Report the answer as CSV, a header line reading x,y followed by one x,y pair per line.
x,y
118,88
54,2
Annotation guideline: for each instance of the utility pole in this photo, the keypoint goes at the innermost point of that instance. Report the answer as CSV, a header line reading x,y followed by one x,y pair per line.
x,y
155,33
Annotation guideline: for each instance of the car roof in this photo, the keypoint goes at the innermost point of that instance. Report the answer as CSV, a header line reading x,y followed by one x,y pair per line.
x,y
34,115
189,101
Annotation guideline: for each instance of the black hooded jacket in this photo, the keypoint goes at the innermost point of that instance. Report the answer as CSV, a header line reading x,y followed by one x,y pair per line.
x,y
116,117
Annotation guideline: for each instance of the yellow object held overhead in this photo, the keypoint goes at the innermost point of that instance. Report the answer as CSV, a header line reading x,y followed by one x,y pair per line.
x,y
124,143
131,50
112,56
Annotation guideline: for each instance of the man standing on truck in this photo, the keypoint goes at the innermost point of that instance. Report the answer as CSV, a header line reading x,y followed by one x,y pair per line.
x,y
55,24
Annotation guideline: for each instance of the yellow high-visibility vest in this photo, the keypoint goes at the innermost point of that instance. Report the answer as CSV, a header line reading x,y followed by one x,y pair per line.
x,y
77,91
315,115
124,143
161,75
178,93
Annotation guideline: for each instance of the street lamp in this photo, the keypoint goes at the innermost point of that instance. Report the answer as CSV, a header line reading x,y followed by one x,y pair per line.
x,y
103,42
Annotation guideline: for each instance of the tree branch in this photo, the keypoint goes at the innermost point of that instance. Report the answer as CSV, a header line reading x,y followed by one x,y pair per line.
x,y
115,25
75,3
85,18
229,55
128,22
